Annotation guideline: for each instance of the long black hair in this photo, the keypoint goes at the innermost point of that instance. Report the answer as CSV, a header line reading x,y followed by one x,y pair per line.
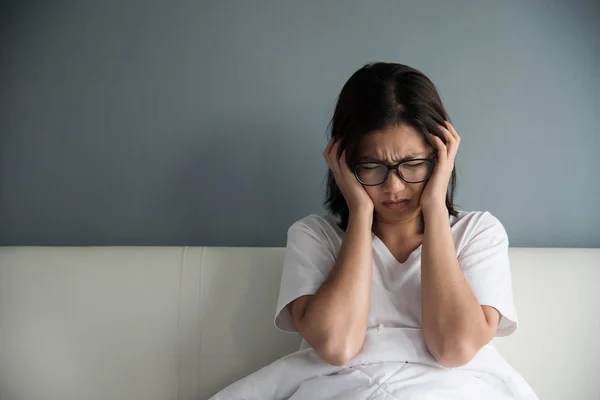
x,y
377,96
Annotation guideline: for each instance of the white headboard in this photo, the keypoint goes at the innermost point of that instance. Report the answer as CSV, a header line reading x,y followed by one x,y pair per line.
x,y
158,323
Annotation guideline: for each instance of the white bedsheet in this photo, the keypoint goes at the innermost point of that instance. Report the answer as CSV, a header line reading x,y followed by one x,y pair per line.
x,y
393,364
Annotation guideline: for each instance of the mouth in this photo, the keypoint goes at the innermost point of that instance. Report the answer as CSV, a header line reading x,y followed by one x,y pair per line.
x,y
396,204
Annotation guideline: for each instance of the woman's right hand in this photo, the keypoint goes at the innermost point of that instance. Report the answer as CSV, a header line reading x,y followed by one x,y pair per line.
x,y
354,193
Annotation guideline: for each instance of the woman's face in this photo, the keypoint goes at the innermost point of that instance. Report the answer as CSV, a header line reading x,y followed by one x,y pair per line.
x,y
390,146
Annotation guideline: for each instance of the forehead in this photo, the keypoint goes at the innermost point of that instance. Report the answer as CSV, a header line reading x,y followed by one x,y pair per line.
x,y
393,143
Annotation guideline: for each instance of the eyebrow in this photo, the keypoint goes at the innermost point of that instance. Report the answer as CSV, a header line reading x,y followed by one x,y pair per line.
x,y
409,156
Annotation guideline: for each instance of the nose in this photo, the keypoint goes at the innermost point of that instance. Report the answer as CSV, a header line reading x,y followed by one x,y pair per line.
x,y
393,183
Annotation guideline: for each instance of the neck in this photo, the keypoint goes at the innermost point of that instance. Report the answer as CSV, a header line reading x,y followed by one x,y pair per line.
x,y
399,230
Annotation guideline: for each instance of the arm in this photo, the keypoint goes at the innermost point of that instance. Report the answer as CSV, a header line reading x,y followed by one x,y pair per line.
x,y
455,325
334,320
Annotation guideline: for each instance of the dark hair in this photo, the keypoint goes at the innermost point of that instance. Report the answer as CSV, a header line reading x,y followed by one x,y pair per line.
x,y
377,96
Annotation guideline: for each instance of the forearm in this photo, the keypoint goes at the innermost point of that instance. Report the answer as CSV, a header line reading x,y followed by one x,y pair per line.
x,y
335,320
453,320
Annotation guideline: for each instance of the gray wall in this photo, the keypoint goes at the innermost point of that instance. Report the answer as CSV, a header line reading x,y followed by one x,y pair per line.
x,y
203,123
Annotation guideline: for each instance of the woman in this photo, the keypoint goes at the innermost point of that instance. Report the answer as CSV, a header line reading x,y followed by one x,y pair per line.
x,y
395,252
395,292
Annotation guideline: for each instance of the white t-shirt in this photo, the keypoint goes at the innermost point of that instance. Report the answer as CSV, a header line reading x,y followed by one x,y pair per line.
x,y
481,246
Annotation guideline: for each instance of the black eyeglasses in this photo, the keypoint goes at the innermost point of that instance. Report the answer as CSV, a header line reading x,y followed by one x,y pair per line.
x,y
415,170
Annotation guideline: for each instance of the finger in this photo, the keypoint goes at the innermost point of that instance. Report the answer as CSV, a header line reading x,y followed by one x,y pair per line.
x,y
451,142
329,150
334,147
452,130
328,147
442,151
454,143
344,168
332,159
334,153
448,137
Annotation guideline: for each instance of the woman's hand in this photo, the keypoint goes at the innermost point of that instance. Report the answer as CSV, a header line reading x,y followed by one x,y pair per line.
x,y
354,193
434,194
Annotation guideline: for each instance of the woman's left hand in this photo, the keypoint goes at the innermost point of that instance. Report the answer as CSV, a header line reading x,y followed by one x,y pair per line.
x,y
434,194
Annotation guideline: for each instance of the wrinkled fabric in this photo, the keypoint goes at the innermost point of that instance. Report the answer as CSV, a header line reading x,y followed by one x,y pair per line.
x,y
394,363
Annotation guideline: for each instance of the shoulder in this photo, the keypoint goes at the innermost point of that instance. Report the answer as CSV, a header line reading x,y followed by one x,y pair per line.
x,y
323,226
475,218
471,225
315,236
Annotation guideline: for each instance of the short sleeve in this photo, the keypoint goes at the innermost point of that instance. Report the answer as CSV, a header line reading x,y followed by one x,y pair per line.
x,y
307,262
486,267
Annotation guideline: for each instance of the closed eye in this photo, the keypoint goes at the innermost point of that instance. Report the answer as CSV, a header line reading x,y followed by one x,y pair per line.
x,y
414,164
371,166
